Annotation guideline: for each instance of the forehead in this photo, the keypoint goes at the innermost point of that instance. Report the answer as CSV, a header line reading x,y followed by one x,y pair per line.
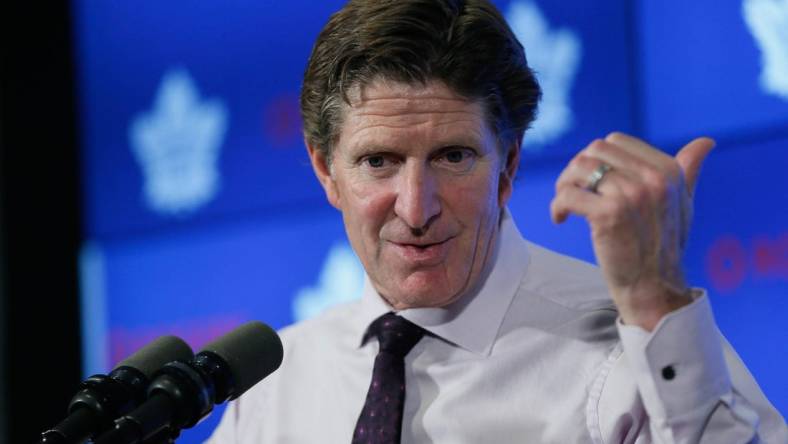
x,y
386,108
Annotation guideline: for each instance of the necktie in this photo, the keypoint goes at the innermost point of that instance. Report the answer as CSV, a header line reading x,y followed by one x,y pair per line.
x,y
380,421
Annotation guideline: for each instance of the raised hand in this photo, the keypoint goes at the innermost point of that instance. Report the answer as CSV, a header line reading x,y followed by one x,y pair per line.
x,y
638,203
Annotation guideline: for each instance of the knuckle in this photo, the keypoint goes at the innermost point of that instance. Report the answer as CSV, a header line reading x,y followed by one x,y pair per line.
x,y
656,182
651,176
598,146
564,178
581,162
638,194
614,136
660,189
576,161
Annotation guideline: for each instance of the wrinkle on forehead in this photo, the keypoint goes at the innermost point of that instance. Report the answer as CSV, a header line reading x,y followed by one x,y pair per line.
x,y
413,104
407,120
388,104
386,97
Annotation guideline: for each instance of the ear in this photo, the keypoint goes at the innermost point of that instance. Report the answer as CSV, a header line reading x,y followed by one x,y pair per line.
x,y
322,169
508,173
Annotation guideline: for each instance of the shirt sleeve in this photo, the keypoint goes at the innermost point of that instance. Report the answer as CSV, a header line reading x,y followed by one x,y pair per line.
x,y
683,383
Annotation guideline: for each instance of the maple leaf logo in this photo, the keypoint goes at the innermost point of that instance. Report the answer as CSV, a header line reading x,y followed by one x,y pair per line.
x,y
340,280
177,146
768,23
554,55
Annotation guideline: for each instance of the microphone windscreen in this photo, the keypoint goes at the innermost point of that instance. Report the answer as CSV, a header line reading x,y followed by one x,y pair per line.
x,y
153,356
252,351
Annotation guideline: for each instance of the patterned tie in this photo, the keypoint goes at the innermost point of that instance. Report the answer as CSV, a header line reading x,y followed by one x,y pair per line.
x,y
380,421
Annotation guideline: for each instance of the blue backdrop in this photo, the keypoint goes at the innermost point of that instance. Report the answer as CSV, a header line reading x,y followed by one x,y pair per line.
x,y
202,211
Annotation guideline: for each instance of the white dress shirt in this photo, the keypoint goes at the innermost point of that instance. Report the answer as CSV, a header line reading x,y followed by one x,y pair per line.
x,y
536,356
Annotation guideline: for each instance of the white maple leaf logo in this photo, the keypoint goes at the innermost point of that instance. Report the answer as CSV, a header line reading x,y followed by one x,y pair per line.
x,y
768,23
340,280
177,146
555,56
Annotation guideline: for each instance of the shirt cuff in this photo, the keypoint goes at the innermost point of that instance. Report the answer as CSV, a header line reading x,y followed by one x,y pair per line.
x,y
679,367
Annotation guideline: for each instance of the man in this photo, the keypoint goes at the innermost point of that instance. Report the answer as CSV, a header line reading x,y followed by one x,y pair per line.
x,y
413,115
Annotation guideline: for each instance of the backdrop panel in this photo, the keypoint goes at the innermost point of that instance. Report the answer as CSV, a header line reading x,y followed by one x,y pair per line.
x,y
202,211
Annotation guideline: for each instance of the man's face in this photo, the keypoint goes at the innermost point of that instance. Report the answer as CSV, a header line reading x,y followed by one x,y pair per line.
x,y
420,182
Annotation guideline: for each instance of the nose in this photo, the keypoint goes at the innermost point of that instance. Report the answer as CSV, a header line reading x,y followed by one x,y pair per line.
x,y
418,202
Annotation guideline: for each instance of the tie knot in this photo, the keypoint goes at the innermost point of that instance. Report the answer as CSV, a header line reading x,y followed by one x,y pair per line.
x,y
395,334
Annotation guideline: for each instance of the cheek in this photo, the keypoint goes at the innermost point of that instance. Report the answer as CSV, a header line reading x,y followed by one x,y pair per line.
x,y
371,203
476,197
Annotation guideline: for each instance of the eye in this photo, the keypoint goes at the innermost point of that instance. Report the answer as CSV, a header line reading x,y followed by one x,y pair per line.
x,y
378,164
455,156
375,161
456,159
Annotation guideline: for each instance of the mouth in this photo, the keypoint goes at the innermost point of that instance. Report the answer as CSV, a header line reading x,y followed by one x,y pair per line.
x,y
422,253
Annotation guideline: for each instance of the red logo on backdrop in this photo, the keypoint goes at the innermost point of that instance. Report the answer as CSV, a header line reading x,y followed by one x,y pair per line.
x,y
731,260
282,121
196,332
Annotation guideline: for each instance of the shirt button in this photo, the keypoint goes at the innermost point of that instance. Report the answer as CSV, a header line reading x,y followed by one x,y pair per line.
x,y
668,372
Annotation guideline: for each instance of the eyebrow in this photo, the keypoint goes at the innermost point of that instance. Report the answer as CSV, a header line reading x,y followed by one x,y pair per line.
x,y
362,149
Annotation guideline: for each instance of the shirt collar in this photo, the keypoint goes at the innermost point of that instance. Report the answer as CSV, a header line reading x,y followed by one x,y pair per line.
x,y
472,322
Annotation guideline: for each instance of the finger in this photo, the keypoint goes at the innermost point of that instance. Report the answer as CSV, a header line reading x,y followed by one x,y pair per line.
x,y
579,170
624,139
690,158
573,200
632,162
639,148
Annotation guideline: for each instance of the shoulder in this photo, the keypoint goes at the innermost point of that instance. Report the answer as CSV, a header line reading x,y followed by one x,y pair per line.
x,y
562,295
564,280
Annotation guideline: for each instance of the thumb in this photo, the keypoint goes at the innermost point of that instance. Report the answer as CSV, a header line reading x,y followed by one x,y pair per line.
x,y
691,157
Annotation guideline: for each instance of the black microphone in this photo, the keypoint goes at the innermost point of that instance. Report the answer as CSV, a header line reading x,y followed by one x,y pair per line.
x,y
102,398
182,393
